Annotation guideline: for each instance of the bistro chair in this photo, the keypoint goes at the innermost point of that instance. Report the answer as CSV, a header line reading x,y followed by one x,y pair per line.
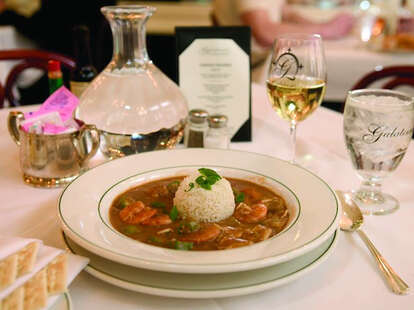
x,y
29,59
391,77
394,76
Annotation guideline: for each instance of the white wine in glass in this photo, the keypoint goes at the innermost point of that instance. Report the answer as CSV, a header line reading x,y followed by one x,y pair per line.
x,y
297,78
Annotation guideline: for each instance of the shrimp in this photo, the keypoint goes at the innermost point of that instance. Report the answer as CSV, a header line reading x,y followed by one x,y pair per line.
x,y
276,223
146,214
274,204
231,232
129,213
136,213
246,214
258,233
208,232
157,220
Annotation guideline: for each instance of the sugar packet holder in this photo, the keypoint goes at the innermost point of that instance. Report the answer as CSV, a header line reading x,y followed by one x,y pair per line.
x,y
53,160
55,115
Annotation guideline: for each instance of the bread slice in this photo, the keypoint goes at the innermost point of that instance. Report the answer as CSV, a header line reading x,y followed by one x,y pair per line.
x,y
26,258
35,283
8,270
35,291
14,301
17,257
57,275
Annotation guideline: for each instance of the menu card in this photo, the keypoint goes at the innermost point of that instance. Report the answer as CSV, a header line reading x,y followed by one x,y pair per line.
x,y
214,73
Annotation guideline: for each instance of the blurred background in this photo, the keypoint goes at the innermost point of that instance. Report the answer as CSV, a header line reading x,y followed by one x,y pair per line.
x,y
348,25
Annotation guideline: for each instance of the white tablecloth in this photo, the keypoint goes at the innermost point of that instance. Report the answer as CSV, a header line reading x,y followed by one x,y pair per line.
x,y
349,279
347,62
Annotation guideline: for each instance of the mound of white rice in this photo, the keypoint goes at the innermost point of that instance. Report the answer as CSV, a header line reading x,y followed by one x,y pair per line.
x,y
204,205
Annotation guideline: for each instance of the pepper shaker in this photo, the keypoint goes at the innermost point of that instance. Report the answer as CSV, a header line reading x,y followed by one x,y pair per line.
x,y
217,135
196,128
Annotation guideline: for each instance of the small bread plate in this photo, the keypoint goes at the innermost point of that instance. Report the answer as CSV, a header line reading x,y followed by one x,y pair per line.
x,y
183,285
84,204
60,302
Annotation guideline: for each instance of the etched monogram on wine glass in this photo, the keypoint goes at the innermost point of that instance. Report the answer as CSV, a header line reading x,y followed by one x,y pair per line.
x,y
296,79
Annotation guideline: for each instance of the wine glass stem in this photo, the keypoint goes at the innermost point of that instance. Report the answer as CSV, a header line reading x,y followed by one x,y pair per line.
x,y
293,141
370,192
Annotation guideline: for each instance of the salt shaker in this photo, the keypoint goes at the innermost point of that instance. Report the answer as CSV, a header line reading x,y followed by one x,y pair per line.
x,y
217,135
196,128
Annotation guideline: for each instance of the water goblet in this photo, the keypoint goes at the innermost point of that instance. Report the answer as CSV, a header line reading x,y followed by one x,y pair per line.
x,y
296,78
378,125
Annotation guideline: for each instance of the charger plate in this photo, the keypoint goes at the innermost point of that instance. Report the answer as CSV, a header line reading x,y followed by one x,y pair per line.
x,y
204,285
83,210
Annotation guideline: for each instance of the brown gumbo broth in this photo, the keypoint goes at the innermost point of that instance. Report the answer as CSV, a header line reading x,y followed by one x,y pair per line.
x,y
146,213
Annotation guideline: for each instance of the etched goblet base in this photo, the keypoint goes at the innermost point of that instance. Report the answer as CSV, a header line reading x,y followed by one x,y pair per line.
x,y
375,203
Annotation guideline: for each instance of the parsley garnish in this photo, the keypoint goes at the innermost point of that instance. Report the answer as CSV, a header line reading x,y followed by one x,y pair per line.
x,y
203,182
154,239
124,202
194,226
207,178
184,246
173,213
130,229
209,173
187,227
158,204
240,197
190,187
180,229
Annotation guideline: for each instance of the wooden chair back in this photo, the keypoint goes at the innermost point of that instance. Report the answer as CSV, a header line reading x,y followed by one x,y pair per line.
x,y
400,75
393,76
29,59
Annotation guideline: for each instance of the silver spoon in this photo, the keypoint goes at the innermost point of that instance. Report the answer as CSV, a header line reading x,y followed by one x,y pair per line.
x,y
352,220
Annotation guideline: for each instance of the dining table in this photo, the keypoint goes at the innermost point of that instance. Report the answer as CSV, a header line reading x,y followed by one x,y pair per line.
x,y
348,279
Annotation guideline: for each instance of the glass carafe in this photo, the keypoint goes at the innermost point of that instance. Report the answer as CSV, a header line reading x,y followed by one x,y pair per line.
x,y
134,105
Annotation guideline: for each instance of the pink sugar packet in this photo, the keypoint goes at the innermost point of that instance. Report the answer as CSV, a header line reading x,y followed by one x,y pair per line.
x,y
62,101
46,118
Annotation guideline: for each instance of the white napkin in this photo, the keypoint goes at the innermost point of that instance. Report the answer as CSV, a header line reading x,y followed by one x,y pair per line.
x,y
12,245
75,264
46,255
17,257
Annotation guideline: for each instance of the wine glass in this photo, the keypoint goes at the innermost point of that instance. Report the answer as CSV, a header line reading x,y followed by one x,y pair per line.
x,y
378,125
296,78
